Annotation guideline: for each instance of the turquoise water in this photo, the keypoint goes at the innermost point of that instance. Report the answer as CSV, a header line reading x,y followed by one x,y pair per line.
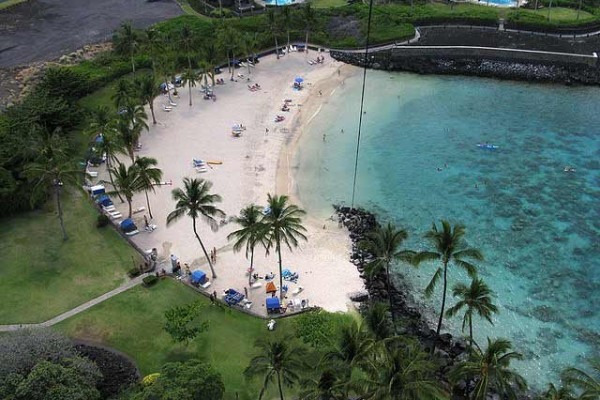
x,y
282,2
538,226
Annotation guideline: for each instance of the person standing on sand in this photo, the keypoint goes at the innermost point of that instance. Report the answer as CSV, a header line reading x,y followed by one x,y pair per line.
x,y
215,253
324,135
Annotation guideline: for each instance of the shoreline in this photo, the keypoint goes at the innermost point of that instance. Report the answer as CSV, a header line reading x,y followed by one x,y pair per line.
x,y
244,170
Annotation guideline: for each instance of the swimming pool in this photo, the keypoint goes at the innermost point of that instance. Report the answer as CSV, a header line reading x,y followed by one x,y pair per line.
x,y
282,2
497,3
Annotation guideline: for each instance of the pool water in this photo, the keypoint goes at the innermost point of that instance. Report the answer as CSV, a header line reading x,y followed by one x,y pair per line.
x,y
538,226
282,2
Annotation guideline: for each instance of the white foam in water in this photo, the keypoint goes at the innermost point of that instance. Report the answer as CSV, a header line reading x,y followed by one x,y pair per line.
x,y
538,226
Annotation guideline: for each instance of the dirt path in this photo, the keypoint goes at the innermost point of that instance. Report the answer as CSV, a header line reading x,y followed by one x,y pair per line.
x,y
40,30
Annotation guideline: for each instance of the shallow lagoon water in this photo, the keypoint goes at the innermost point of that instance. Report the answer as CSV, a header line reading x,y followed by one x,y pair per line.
x,y
538,226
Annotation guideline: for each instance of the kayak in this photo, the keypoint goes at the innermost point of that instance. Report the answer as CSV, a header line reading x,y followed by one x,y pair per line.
x,y
487,146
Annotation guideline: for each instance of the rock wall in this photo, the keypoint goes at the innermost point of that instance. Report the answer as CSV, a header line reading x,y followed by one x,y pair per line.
x,y
504,65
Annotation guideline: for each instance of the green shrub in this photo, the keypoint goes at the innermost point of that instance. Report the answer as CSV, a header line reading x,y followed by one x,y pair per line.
x,y
133,272
319,328
150,280
102,221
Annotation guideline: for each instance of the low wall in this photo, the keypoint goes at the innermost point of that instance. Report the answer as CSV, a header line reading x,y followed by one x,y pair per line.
x,y
492,62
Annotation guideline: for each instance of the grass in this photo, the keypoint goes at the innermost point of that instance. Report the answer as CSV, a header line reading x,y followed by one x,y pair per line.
x,y
328,3
42,276
9,3
562,14
132,322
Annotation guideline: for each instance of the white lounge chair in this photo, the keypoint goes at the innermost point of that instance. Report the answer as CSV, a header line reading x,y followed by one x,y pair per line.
x,y
92,174
115,215
172,104
139,210
167,108
132,233
206,285
109,208
256,285
201,169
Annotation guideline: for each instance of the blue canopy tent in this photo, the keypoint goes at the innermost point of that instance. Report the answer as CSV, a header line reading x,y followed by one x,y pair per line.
x,y
127,225
273,304
299,79
198,277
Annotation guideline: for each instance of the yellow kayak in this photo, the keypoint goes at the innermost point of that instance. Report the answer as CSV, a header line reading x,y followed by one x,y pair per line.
x,y
215,162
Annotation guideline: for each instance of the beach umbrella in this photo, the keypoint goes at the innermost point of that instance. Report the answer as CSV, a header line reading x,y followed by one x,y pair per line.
x,y
299,79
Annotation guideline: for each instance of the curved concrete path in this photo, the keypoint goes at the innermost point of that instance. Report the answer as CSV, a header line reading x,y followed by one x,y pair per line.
x,y
126,286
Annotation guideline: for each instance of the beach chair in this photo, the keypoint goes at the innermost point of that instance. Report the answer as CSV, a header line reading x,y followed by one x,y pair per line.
x,y
132,233
172,103
298,290
115,215
139,210
167,108
92,174
109,208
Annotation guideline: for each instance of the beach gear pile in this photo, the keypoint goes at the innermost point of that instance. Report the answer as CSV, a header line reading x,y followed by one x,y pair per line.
x,y
199,165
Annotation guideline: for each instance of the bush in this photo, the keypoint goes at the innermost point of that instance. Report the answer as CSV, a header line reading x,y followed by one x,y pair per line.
x,y
102,221
150,280
318,328
133,272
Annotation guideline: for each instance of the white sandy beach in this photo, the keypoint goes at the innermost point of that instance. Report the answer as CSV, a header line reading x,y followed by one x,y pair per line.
x,y
253,165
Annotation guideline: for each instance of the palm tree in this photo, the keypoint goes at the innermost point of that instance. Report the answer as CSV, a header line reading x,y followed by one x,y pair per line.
x,y
109,146
123,93
287,19
308,14
284,226
328,386
127,41
52,170
278,359
189,78
353,345
156,47
490,369
400,372
376,318
476,298
450,249
99,120
129,134
250,45
147,90
228,40
210,54
195,200
126,182
272,20
186,40
563,393
587,384
149,176
251,233
384,243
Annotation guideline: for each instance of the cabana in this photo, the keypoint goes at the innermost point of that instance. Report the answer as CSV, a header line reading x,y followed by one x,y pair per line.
x,y
273,305
97,189
128,226
104,200
198,277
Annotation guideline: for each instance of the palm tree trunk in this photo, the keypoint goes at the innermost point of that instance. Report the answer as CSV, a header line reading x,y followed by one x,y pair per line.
x,y
251,266
471,329
190,91
212,270
276,46
148,203
288,40
60,213
131,155
280,270
133,64
439,327
110,175
306,43
389,292
279,385
167,87
232,65
129,199
579,9
151,104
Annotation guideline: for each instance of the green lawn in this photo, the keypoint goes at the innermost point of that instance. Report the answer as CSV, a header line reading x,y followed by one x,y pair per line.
x,y
42,276
132,322
9,3
328,3
558,15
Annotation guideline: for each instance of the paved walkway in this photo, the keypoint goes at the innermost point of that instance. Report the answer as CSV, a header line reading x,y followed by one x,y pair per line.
x,y
126,286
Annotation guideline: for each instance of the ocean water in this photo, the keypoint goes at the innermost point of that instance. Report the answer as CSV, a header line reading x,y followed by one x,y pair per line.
x,y
538,226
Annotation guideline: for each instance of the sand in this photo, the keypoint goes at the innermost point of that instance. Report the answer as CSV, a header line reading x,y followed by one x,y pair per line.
x,y
253,165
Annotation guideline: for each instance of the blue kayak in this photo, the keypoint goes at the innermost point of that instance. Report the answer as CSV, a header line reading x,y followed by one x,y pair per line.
x,y
487,146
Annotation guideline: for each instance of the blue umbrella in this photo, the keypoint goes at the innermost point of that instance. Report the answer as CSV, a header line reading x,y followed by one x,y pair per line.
x,y
299,79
